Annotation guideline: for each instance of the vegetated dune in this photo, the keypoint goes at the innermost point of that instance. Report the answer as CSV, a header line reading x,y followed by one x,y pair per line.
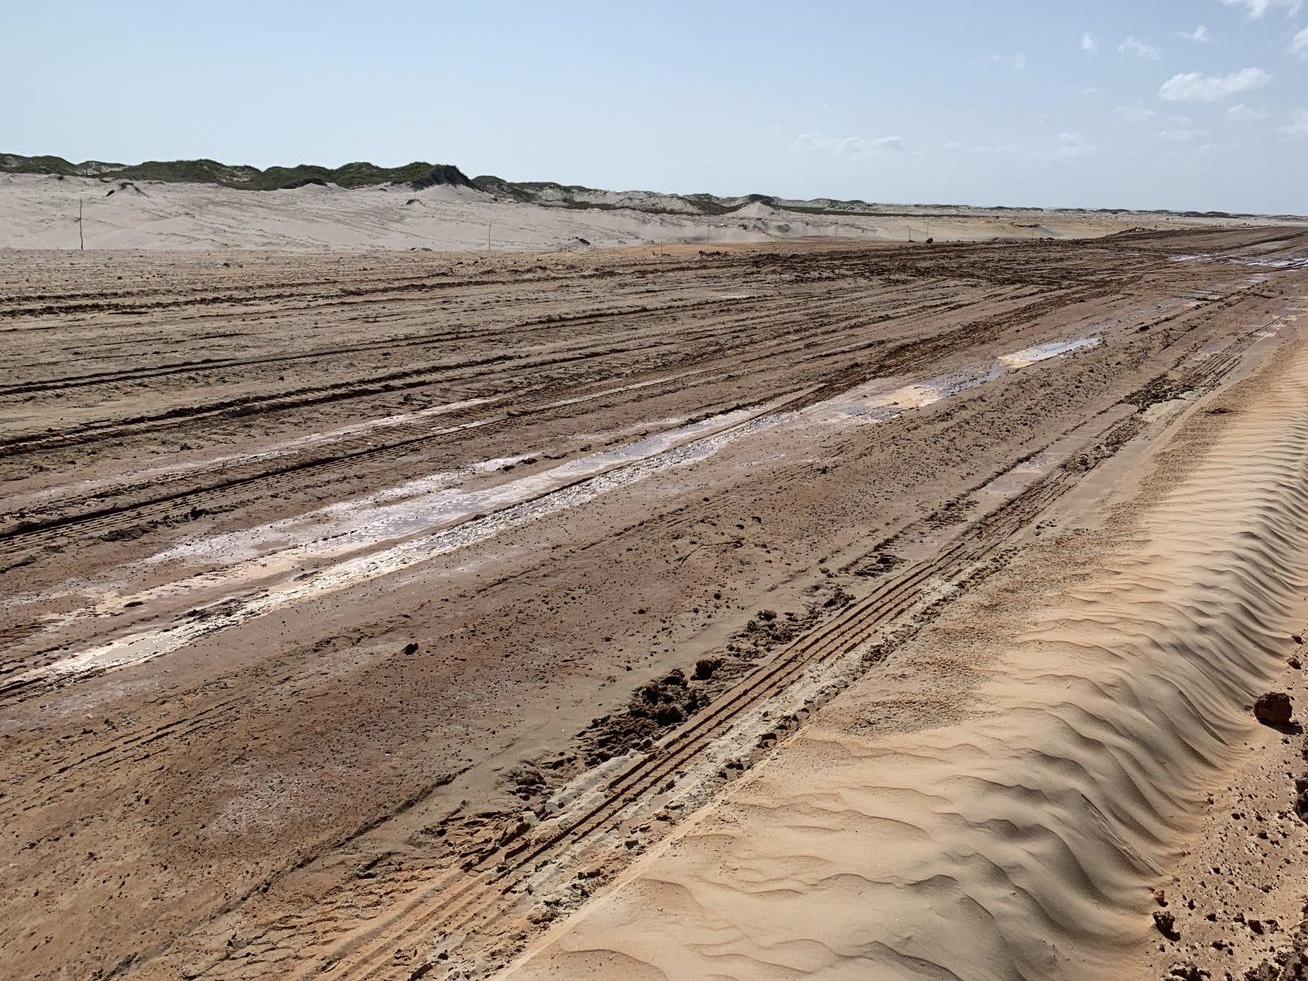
x,y
1003,809
42,212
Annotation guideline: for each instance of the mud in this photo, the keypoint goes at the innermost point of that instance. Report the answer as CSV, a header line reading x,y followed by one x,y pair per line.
x,y
235,497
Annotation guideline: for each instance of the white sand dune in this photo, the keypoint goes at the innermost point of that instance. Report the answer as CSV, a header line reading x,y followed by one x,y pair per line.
x,y
999,799
41,212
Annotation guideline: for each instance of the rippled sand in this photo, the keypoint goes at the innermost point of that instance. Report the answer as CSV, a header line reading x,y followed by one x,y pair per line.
x,y
1003,808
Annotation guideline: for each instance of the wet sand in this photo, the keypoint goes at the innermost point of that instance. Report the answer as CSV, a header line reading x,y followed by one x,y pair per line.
x,y
374,612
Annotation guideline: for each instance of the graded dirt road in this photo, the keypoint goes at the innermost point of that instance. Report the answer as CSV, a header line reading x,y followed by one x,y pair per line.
x,y
369,613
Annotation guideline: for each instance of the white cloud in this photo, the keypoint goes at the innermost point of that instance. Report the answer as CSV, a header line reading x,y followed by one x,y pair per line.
x,y
1243,114
1181,135
1089,43
1135,114
1070,146
1256,8
1299,46
847,146
1017,61
1001,149
1136,48
1199,35
1194,87
1297,128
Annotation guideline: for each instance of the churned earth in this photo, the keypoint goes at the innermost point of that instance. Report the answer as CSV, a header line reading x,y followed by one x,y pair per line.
x,y
373,613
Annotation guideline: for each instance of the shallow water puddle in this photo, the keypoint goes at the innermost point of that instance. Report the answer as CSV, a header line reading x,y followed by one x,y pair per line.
x,y
877,401
1050,349
1284,262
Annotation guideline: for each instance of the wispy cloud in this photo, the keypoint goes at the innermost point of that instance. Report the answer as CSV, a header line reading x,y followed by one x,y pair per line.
x,y
1070,147
1015,61
1135,48
998,149
1256,8
1299,46
847,146
1194,87
1089,43
1243,114
1199,35
1297,128
1135,113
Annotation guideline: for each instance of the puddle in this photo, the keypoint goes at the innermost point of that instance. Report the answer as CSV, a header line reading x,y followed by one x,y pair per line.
x,y
1050,349
877,401
1299,262
880,400
1290,262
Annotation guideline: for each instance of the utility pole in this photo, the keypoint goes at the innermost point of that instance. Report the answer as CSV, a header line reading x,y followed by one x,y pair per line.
x,y
488,237
81,237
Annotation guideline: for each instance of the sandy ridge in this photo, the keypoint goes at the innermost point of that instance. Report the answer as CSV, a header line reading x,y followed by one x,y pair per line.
x,y
40,212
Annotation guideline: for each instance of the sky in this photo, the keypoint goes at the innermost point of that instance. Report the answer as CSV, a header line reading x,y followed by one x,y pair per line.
x,y
1180,104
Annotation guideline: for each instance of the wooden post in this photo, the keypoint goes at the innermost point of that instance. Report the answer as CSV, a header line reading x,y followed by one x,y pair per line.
x,y
81,237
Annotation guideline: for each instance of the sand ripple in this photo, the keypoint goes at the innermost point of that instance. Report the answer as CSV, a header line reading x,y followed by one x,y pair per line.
x,y
1102,685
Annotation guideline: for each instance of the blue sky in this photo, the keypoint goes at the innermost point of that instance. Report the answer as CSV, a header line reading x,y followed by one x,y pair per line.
x,y
1198,104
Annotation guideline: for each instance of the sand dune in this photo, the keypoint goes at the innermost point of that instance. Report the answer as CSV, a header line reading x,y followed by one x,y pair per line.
x,y
40,212
1083,718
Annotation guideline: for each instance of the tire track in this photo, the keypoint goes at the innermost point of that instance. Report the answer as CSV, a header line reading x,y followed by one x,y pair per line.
x,y
466,900
32,532
835,322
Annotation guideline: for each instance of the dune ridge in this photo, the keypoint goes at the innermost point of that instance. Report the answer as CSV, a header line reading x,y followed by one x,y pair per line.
x,y
999,801
40,212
